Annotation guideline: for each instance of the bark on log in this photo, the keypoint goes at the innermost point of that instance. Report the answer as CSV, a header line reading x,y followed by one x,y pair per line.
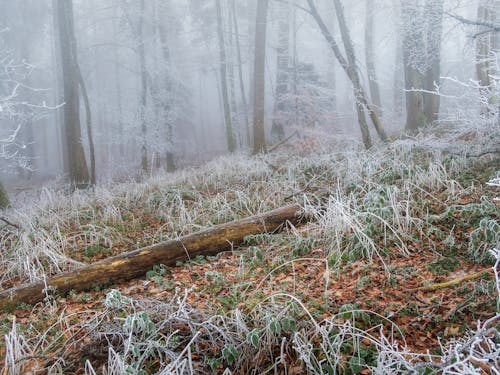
x,y
136,263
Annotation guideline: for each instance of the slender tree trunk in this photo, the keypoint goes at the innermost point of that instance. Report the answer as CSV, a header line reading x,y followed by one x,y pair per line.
x,y
413,38
232,79
295,66
398,67
486,12
88,117
118,87
59,89
259,131
332,69
359,93
168,89
78,171
282,71
252,14
351,71
144,88
370,57
231,144
240,71
422,33
434,16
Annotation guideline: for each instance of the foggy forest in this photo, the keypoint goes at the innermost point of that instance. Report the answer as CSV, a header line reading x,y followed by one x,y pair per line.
x,y
249,187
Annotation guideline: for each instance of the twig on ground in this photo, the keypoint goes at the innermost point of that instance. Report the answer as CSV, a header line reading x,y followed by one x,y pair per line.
x,y
9,222
272,148
453,282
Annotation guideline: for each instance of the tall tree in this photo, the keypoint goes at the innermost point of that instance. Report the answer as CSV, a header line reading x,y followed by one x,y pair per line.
x,y
144,86
77,164
240,70
259,131
422,33
370,56
487,41
434,17
398,65
350,68
231,143
167,83
282,70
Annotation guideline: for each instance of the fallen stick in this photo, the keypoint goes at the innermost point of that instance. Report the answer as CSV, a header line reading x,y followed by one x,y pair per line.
x,y
272,148
136,263
453,282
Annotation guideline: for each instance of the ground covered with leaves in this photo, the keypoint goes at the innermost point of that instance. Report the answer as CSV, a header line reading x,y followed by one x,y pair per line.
x,y
351,291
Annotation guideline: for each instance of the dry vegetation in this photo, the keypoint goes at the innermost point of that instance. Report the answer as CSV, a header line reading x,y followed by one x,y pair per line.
x,y
340,294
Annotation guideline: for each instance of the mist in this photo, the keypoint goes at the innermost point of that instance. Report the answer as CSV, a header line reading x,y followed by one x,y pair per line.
x,y
172,84
249,187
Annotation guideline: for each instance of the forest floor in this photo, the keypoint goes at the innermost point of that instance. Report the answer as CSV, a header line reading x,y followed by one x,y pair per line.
x,y
339,294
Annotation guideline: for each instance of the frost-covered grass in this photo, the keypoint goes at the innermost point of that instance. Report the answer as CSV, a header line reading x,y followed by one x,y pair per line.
x,y
367,206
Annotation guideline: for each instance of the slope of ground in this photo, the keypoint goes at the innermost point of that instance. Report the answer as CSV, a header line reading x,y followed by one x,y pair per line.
x,y
337,295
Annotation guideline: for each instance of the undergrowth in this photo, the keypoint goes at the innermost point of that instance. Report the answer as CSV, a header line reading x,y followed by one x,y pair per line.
x,y
331,297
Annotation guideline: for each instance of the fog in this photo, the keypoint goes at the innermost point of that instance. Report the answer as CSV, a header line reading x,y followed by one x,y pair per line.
x,y
162,96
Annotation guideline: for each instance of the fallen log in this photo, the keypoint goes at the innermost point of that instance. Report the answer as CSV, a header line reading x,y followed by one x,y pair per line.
x,y
136,263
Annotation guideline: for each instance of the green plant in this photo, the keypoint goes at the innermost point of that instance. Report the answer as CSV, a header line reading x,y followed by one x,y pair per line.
x,y
482,239
92,251
303,246
443,266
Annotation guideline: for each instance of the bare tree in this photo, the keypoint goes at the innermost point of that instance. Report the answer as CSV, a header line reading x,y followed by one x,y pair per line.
x,y
370,56
231,143
240,71
282,70
77,164
422,33
434,17
398,65
259,131
350,68
487,44
167,83
144,87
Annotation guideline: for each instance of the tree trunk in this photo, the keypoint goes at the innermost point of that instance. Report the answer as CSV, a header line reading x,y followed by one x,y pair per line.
x,y
77,164
231,143
350,70
168,88
359,94
398,67
413,37
252,14
59,89
144,88
422,33
434,15
118,88
486,12
231,52
240,72
88,117
136,263
370,57
259,131
282,71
